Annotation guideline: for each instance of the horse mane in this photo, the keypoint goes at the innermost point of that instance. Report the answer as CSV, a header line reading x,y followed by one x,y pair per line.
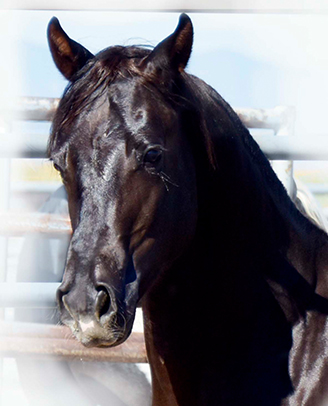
x,y
270,261
282,230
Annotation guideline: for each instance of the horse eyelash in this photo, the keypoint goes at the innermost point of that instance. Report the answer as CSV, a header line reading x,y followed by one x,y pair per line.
x,y
166,180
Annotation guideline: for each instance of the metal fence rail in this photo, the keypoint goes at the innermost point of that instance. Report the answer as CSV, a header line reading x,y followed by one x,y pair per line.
x,y
314,148
56,342
277,119
18,224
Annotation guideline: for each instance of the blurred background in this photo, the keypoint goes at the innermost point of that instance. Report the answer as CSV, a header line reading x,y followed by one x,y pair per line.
x,y
255,58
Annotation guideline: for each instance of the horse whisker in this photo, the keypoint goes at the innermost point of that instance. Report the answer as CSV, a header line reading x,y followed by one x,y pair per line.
x,y
166,179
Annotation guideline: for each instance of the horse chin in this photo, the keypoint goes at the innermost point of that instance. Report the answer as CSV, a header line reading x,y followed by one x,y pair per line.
x,y
102,341
93,333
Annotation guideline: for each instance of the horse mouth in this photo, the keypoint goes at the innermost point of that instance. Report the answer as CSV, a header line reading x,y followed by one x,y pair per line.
x,y
104,319
90,341
93,333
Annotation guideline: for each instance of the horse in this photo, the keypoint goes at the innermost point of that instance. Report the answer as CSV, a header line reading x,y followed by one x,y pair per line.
x,y
175,208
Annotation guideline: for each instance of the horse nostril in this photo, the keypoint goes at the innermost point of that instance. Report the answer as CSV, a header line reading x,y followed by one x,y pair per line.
x,y
59,296
102,302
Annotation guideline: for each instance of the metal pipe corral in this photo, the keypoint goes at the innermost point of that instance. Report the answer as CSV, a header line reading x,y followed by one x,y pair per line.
x,y
42,341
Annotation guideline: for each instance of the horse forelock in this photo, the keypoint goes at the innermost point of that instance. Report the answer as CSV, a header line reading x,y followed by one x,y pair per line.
x,y
90,84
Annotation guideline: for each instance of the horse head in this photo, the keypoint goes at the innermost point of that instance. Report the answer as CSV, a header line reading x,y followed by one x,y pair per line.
x,y
117,141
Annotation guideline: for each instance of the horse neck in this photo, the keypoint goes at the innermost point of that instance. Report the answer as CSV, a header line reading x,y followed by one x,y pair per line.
x,y
203,320
231,232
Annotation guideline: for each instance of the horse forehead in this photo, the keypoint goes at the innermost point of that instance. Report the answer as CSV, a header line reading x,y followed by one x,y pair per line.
x,y
142,111
141,103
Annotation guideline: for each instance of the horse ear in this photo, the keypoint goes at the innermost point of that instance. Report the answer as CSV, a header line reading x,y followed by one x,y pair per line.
x,y
68,55
174,51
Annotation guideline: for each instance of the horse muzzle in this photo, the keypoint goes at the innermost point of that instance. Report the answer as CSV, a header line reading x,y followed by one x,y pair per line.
x,y
95,315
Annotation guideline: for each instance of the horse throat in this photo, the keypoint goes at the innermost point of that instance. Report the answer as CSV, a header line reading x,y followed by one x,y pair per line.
x,y
212,324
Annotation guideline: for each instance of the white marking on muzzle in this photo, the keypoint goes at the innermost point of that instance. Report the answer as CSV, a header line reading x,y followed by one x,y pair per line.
x,y
86,326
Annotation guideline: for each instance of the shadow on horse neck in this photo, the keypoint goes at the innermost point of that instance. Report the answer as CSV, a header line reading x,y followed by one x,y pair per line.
x,y
175,207
216,327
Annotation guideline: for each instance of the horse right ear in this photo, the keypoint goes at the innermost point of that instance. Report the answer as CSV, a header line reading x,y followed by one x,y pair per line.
x,y
173,53
68,55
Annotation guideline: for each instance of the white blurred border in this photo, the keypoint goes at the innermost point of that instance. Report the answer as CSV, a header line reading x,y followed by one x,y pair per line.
x,y
256,6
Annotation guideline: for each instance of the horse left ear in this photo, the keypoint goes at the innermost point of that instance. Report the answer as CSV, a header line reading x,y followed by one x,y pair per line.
x,y
68,55
174,51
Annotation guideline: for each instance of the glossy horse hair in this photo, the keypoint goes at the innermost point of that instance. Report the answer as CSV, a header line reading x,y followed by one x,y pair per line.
x,y
92,81
175,207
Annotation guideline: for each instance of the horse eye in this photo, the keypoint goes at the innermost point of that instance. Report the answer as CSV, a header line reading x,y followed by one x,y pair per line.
x,y
152,156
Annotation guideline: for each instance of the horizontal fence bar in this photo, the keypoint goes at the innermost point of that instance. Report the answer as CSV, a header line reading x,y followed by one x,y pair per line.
x,y
314,148
55,226
34,330
43,109
32,295
317,189
56,342
220,6
69,349
34,187
34,108
23,145
51,187
276,119
19,224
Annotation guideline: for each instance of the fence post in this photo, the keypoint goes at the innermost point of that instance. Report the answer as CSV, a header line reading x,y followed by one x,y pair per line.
x,y
284,169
